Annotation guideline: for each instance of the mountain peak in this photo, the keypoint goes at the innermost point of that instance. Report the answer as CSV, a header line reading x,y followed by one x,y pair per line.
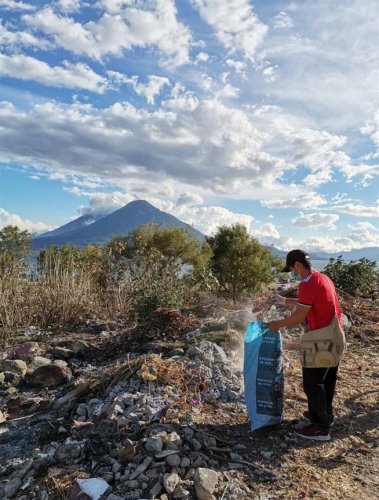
x,y
119,223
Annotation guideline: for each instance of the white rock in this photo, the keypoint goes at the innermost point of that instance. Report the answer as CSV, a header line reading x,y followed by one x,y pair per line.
x,y
205,483
93,487
170,482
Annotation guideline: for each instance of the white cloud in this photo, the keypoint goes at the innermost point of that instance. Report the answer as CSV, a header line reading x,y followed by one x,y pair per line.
x,y
69,75
69,5
354,240
358,210
148,90
202,57
318,178
189,199
267,232
282,20
15,5
208,219
239,66
156,26
17,39
308,201
228,150
208,143
235,24
105,203
372,130
269,73
8,219
315,220
319,77
115,6
362,234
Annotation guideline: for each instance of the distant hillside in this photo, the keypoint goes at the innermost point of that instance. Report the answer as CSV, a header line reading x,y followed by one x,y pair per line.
x,y
119,223
79,223
371,253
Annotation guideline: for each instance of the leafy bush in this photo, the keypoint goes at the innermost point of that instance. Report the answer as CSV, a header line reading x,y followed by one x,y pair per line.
x,y
354,276
151,284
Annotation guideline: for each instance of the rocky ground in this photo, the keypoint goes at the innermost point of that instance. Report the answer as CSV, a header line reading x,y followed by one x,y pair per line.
x,y
156,410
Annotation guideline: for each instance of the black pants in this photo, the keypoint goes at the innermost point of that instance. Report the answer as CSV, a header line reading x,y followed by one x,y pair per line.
x,y
319,385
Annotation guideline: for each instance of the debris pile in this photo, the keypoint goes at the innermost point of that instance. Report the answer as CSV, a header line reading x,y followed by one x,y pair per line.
x,y
172,425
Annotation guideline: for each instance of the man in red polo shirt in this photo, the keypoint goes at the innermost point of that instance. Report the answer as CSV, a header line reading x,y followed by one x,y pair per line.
x,y
317,304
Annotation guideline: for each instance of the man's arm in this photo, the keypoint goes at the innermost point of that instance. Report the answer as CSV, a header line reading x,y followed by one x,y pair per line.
x,y
291,302
296,318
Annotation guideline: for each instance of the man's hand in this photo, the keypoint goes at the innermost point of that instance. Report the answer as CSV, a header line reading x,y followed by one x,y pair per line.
x,y
274,325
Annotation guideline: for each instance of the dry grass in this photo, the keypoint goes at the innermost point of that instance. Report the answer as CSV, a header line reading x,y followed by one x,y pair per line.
x,y
57,297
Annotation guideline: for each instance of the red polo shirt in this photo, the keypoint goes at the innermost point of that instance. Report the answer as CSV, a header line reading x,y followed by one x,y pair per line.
x,y
318,292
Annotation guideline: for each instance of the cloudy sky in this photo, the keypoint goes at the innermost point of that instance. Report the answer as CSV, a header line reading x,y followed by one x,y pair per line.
x,y
263,112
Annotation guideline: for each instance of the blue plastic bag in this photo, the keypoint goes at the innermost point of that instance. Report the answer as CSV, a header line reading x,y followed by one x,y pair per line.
x,y
263,375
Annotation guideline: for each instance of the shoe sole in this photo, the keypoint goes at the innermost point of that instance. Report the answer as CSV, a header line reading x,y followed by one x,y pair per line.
x,y
313,438
307,422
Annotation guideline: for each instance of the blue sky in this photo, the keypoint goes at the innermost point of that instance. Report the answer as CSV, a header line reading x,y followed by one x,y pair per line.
x,y
216,111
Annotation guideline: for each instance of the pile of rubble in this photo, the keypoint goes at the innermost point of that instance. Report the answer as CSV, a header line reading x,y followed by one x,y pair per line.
x,y
169,425
139,440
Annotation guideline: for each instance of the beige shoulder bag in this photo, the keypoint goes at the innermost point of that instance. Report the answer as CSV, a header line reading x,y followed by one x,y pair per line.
x,y
322,348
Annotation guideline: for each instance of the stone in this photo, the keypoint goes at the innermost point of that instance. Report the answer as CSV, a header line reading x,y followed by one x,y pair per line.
x,y
176,352
112,496
11,378
61,352
185,462
11,487
345,322
94,487
26,350
50,376
194,352
170,482
155,490
116,467
38,361
165,453
127,453
196,444
82,410
60,362
152,473
173,460
79,347
181,492
267,454
16,366
205,483
67,453
154,444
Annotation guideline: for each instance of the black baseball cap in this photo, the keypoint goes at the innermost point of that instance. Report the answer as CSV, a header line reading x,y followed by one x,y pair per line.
x,y
296,256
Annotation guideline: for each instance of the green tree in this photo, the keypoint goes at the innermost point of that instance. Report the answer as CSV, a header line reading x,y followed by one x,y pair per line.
x,y
15,246
239,262
160,264
354,276
180,250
